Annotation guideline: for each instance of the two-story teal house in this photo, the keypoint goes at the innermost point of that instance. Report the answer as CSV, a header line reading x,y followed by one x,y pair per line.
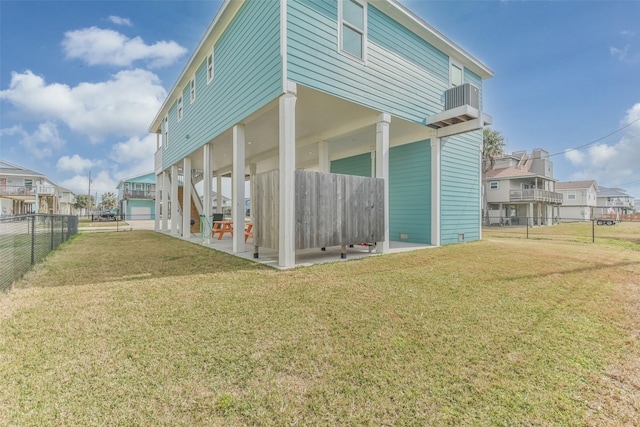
x,y
136,197
357,87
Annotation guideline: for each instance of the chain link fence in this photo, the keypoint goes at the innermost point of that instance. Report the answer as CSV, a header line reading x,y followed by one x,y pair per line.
x,y
26,239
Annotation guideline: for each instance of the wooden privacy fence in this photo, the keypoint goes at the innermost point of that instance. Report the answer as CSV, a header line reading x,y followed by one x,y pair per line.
x,y
331,209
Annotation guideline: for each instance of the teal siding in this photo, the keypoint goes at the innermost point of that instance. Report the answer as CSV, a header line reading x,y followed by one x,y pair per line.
x,y
460,187
247,76
359,165
410,192
149,178
404,75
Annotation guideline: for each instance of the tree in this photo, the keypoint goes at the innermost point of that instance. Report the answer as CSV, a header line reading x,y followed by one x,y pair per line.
x,y
492,146
81,201
109,200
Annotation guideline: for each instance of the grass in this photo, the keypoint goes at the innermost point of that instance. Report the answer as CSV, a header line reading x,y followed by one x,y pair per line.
x,y
498,332
624,234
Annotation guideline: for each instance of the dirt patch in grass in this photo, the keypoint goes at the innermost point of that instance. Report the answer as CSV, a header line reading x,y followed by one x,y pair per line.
x,y
499,332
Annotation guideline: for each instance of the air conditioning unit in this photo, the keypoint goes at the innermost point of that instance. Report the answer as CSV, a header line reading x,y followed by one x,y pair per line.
x,y
466,94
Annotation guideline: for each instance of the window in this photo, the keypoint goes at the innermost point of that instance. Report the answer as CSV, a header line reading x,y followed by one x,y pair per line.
x,y
494,185
180,108
192,89
571,195
210,67
456,75
353,27
166,132
28,183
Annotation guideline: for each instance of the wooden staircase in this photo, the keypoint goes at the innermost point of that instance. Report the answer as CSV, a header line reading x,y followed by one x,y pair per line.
x,y
195,228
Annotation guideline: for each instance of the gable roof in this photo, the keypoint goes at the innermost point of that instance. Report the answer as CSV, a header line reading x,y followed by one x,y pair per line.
x,y
7,168
572,185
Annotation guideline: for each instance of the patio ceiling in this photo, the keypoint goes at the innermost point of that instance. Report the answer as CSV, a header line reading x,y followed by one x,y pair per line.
x,y
348,128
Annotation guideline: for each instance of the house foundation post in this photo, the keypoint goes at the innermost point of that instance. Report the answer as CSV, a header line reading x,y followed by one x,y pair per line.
x,y
166,189
435,191
175,204
156,217
237,187
206,208
186,199
382,171
219,193
287,164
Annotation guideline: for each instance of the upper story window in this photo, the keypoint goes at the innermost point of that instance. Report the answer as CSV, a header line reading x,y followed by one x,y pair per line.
x,y
180,108
456,75
571,195
494,185
165,125
192,89
210,67
353,24
28,183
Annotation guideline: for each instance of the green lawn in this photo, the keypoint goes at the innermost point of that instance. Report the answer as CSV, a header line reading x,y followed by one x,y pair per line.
x,y
143,329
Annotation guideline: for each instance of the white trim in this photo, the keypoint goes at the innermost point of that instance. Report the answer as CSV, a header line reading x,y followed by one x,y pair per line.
x,y
363,31
166,132
180,107
459,66
435,191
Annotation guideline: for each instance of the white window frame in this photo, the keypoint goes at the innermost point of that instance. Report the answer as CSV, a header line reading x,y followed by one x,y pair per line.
x,y
497,185
459,66
180,108
571,195
363,31
166,132
210,67
192,89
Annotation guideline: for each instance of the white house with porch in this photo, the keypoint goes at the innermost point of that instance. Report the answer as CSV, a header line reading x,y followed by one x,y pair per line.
x,y
354,120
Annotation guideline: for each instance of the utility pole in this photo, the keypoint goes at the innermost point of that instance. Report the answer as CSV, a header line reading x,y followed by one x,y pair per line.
x,y
89,196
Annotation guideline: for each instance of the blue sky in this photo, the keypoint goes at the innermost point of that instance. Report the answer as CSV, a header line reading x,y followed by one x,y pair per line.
x,y
80,81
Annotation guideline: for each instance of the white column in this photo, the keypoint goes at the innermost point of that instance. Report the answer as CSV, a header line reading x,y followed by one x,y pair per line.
x,y
435,191
186,198
382,171
156,217
323,157
219,193
237,188
287,158
166,189
206,206
253,168
175,205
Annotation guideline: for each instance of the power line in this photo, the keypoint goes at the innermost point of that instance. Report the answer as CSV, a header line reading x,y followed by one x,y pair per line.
x,y
597,140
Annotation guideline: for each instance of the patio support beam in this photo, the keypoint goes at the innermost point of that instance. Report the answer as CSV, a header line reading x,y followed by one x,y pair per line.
x,y
435,191
287,165
206,208
219,193
156,217
237,187
382,171
186,198
323,157
166,189
175,204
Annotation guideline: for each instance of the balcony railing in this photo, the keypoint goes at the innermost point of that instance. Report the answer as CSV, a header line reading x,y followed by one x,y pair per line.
x,y
139,194
17,190
535,195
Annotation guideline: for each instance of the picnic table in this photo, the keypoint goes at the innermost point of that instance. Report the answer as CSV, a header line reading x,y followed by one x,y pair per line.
x,y
221,227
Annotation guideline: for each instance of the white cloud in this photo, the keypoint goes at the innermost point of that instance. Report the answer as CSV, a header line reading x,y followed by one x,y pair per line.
x,y
139,152
615,164
575,157
120,21
123,105
41,143
101,182
97,46
74,163
625,54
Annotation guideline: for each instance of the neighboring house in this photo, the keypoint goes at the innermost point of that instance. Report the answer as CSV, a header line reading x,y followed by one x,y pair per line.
x,y
225,202
136,196
579,199
342,86
613,202
67,202
521,187
23,191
